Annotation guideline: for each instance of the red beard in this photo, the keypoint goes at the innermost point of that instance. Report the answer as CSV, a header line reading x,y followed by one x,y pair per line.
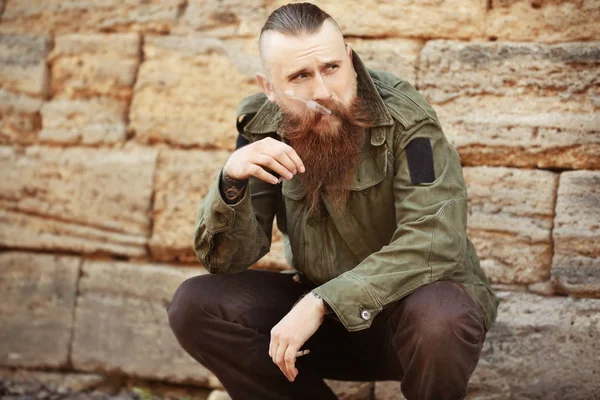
x,y
329,146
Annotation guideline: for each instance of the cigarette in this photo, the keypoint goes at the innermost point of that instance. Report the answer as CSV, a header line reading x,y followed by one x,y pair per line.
x,y
313,105
302,353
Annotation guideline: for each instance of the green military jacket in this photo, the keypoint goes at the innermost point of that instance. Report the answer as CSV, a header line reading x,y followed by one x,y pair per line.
x,y
393,237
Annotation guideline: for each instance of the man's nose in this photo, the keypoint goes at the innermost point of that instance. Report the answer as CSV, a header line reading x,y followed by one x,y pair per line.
x,y
321,91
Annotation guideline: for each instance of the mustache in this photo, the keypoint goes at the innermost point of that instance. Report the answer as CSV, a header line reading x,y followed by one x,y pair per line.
x,y
356,113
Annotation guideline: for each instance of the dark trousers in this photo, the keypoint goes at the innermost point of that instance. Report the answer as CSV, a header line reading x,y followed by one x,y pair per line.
x,y
429,340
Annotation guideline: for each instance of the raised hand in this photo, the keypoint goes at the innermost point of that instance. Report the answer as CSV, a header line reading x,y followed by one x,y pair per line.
x,y
268,153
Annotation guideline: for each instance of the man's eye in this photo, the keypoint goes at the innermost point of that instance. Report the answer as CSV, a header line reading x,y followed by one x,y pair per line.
x,y
333,67
300,77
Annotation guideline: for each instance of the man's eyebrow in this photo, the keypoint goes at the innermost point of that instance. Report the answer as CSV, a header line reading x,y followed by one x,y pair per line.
x,y
297,72
306,70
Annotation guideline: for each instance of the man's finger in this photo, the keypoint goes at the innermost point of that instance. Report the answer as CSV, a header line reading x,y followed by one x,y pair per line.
x,y
273,147
284,159
263,175
296,159
273,346
267,160
290,362
280,361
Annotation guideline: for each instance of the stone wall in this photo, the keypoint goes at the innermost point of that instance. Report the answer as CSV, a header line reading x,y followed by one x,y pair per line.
x,y
116,116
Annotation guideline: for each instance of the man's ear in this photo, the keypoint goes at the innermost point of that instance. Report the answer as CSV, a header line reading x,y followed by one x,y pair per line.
x,y
266,86
349,50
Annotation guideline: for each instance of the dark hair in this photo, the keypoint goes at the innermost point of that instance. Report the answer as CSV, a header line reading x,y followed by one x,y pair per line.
x,y
296,19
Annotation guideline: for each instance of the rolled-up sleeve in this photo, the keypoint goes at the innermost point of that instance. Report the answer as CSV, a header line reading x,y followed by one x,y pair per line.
x,y
230,238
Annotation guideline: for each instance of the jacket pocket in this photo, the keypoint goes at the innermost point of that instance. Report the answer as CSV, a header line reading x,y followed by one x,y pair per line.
x,y
293,189
371,169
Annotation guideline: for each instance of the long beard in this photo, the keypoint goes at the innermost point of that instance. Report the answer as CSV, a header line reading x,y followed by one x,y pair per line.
x,y
329,147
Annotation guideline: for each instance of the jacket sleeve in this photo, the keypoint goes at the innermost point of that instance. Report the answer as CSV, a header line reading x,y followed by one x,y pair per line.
x,y
430,240
230,238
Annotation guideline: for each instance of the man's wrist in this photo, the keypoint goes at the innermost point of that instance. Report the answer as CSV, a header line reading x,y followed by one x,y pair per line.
x,y
232,190
326,309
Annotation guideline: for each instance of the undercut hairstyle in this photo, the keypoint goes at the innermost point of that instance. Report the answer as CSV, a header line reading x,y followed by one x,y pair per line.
x,y
295,19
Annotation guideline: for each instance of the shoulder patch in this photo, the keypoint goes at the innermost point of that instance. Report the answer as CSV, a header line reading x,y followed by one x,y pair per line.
x,y
420,161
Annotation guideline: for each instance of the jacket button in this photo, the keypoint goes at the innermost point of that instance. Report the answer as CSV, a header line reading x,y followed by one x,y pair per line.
x,y
364,314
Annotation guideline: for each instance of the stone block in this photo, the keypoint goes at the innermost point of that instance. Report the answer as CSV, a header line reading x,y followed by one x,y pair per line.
x,y
95,121
121,323
440,19
398,56
225,17
23,86
194,104
23,64
540,348
36,312
414,19
576,262
88,65
544,21
516,104
83,16
92,86
20,119
79,200
510,222
182,180
69,381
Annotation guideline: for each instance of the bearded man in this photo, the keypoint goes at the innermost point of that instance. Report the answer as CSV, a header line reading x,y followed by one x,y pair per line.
x,y
370,199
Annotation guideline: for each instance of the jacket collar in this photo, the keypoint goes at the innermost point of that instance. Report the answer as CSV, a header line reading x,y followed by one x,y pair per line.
x,y
269,116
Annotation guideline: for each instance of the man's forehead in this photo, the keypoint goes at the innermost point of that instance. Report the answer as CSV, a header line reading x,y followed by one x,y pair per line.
x,y
279,48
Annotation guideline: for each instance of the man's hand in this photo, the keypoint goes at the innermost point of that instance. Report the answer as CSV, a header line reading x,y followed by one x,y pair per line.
x,y
293,331
251,160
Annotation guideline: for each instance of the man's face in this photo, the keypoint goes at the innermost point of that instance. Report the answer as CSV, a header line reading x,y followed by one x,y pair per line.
x,y
315,67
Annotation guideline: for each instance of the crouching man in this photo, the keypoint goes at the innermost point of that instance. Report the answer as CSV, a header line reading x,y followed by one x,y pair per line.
x,y
370,198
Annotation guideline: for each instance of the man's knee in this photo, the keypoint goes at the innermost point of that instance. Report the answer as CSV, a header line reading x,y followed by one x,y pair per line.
x,y
189,303
206,300
443,312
